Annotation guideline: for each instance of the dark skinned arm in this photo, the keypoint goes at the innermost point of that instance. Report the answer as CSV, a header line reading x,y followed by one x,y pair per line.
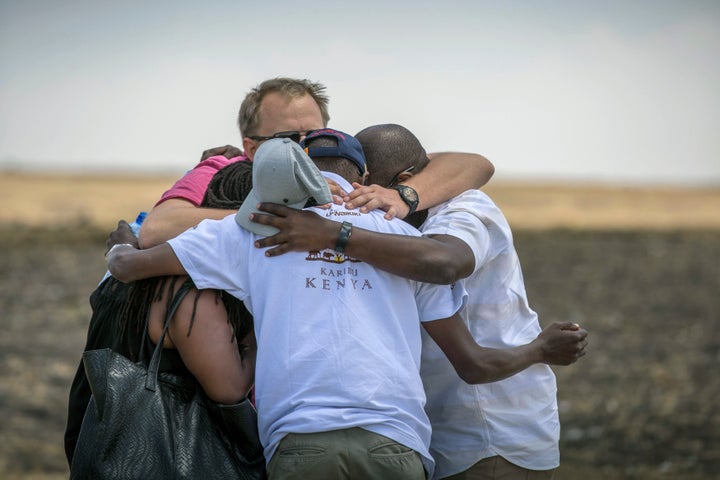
x,y
127,264
557,344
440,259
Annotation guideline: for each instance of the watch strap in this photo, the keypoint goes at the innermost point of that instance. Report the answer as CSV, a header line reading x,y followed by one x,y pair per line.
x,y
343,237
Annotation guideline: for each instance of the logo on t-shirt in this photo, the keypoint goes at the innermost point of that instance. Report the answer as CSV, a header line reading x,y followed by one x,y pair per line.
x,y
335,277
329,256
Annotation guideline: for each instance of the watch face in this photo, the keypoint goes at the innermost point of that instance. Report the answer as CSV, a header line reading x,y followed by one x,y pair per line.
x,y
408,194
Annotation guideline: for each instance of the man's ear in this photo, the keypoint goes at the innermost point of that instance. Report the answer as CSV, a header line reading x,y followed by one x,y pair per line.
x,y
250,146
404,177
364,178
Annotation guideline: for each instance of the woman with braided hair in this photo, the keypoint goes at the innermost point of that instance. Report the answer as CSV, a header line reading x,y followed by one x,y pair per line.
x,y
212,331
211,336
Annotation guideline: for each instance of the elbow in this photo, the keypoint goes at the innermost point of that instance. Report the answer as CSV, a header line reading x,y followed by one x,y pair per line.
x,y
446,275
439,270
227,393
477,368
444,260
149,236
473,376
486,170
490,168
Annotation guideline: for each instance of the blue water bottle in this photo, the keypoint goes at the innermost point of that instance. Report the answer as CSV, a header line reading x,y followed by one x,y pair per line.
x,y
135,226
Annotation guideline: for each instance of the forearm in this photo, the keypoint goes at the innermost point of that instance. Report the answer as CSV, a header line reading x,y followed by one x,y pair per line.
x,y
171,218
491,364
558,344
129,264
476,364
448,175
418,258
441,259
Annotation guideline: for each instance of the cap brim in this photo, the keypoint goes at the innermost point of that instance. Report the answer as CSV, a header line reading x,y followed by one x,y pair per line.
x,y
242,217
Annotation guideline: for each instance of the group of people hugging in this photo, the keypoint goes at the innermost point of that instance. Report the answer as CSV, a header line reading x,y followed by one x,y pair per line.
x,y
363,294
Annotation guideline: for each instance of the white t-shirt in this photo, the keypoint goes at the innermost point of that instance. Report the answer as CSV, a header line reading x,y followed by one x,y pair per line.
x,y
515,418
338,341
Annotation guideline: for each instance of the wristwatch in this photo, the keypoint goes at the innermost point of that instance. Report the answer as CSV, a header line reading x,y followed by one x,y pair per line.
x,y
408,195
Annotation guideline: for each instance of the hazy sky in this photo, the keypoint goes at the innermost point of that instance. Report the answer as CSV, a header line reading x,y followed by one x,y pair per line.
x,y
625,91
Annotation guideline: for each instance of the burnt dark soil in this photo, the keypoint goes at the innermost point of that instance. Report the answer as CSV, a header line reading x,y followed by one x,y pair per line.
x,y
642,404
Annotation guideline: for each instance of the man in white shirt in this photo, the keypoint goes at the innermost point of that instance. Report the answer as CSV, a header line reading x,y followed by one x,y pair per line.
x,y
507,429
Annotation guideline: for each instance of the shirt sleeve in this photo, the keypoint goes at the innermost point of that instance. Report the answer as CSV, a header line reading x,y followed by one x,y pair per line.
x,y
213,253
436,302
461,218
194,183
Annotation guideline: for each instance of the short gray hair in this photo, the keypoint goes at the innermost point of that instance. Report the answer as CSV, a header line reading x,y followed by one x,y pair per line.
x,y
249,114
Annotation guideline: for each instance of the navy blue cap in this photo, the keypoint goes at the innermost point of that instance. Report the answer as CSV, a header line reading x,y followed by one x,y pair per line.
x,y
347,147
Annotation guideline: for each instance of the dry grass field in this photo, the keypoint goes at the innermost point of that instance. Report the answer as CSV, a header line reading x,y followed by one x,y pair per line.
x,y
639,268
39,200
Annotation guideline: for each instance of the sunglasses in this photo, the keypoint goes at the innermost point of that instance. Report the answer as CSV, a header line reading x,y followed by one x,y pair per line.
x,y
293,135
394,180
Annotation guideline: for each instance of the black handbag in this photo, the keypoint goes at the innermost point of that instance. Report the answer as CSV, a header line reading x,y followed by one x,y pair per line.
x,y
143,425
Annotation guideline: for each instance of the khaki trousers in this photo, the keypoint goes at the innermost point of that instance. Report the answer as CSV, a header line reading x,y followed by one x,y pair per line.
x,y
352,453
497,468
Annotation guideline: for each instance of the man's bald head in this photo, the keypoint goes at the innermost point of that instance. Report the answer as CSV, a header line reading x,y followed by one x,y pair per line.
x,y
389,150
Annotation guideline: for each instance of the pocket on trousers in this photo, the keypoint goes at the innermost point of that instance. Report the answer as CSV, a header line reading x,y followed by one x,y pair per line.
x,y
389,449
394,460
298,456
300,452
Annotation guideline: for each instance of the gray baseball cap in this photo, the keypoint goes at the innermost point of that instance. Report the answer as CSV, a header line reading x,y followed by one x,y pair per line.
x,y
284,174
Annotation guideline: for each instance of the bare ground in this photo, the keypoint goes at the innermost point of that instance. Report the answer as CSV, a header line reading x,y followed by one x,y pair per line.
x,y
642,404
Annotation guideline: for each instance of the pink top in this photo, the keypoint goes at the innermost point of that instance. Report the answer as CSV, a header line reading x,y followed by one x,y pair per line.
x,y
194,183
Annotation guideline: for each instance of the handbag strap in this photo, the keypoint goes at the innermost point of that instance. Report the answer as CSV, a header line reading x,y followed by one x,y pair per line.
x,y
154,365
